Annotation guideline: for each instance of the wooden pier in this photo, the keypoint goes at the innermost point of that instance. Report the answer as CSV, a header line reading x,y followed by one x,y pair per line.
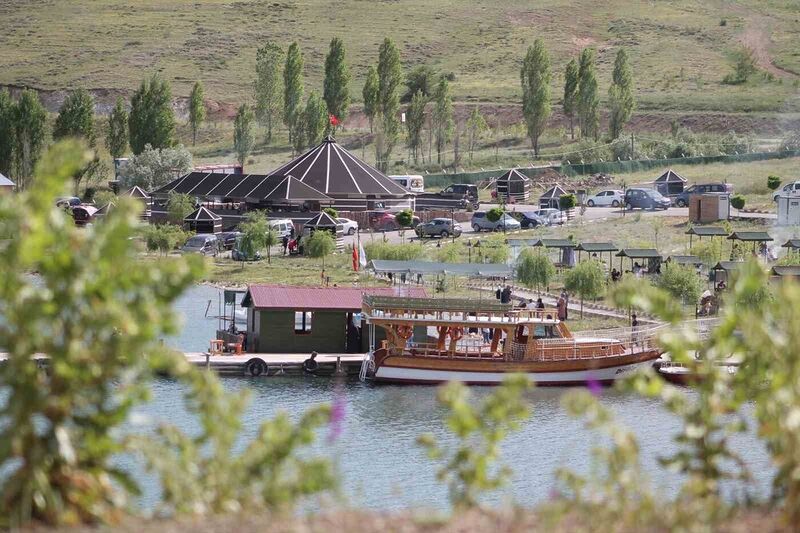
x,y
262,364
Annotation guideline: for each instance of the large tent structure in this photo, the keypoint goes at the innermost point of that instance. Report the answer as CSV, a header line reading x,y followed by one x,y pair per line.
x,y
513,187
670,183
551,197
351,183
262,190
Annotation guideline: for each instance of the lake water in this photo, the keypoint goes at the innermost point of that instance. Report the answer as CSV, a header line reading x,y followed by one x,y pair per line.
x,y
381,465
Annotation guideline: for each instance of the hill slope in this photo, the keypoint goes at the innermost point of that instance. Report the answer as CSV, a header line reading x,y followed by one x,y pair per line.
x,y
680,49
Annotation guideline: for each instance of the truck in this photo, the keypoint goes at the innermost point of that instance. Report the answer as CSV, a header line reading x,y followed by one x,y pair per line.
x,y
455,196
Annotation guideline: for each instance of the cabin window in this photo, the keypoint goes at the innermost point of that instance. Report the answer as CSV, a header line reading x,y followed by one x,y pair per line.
x,y
302,322
545,331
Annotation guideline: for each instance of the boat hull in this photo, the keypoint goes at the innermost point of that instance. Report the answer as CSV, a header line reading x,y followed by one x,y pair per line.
x,y
557,375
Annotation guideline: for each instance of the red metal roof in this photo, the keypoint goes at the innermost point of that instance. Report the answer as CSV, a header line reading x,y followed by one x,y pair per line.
x,y
319,298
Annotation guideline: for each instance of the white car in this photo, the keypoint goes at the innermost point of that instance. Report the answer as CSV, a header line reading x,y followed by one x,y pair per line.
x,y
350,226
610,198
790,189
552,216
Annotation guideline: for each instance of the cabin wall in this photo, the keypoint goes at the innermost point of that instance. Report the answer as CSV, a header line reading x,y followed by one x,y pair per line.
x,y
277,335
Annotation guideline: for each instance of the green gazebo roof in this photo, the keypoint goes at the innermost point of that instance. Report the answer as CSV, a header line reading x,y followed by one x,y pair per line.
x,y
597,247
685,260
639,253
788,271
728,265
792,243
750,236
707,231
555,243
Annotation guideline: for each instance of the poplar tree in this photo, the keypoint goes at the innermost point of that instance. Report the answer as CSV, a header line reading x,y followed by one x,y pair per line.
x,y
243,133
152,120
390,76
316,119
76,119
197,110
268,87
370,95
588,100
476,127
117,136
337,80
7,111
293,91
535,79
571,94
415,121
442,117
29,135
620,95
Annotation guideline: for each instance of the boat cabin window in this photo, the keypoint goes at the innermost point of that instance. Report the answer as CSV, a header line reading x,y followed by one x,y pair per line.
x,y
545,331
302,322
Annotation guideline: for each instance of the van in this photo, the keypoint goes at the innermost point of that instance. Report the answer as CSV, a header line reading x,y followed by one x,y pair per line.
x,y
206,244
413,183
283,227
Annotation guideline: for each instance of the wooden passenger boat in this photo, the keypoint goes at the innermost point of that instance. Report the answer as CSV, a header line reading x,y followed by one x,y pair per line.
x,y
429,340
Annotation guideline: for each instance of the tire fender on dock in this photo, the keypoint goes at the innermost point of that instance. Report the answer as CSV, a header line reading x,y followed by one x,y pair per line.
x,y
255,367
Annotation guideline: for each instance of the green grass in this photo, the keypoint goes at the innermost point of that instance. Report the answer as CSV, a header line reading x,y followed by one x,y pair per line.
x,y
680,50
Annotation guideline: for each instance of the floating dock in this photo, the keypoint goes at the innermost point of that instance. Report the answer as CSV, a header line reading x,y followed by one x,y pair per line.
x,y
262,364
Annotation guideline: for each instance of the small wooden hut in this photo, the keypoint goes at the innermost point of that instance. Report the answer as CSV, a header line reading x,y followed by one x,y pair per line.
x,y
551,197
201,220
323,221
670,183
513,187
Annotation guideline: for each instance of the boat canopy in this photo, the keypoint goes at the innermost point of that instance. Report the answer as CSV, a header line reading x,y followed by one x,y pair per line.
x,y
473,270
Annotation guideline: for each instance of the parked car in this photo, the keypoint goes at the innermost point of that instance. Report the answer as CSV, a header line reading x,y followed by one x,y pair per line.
x,y
531,220
206,244
682,200
790,189
283,227
645,199
438,227
68,201
350,227
552,215
612,198
387,222
228,239
410,182
238,255
481,223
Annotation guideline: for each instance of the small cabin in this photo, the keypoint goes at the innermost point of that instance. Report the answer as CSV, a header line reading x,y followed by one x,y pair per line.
x,y
550,199
285,319
513,187
670,183
202,220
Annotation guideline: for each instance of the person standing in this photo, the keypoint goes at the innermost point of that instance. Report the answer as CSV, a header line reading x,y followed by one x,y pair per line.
x,y
565,296
285,242
561,309
539,304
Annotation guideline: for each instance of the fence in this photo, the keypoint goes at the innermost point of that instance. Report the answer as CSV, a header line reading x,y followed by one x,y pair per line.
x,y
607,167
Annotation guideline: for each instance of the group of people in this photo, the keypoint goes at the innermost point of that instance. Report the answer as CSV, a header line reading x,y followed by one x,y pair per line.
x,y
504,294
291,246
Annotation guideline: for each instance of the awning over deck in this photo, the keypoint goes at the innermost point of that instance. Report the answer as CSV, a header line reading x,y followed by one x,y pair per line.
x,y
707,231
474,270
639,253
750,236
597,247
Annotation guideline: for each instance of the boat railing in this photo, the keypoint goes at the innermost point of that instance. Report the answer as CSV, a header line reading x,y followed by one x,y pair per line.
x,y
492,316
476,350
367,366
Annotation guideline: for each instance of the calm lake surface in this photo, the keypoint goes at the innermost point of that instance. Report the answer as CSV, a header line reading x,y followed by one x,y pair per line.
x,y
376,454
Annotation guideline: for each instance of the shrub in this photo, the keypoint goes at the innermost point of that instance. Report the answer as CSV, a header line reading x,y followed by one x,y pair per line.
x,y
331,212
494,214
773,182
737,201
682,282
534,269
179,206
450,253
164,237
398,252
586,279
567,202
404,218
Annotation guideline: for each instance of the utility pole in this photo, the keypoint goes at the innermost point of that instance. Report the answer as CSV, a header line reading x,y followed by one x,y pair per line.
x,y
632,152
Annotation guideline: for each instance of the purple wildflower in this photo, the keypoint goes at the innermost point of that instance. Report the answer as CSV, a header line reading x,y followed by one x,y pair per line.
x,y
338,411
594,386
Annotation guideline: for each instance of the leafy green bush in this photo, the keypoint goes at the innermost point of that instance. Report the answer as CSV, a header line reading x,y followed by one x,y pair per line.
x,y
164,237
320,244
331,212
737,201
404,218
773,182
682,282
567,202
98,320
586,279
480,428
494,214
534,269
179,206
450,253
399,252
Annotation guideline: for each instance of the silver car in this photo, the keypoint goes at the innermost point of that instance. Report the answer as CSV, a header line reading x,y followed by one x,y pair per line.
x,y
206,244
480,222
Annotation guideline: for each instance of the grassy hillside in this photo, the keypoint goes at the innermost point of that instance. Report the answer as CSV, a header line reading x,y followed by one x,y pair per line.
x,y
680,49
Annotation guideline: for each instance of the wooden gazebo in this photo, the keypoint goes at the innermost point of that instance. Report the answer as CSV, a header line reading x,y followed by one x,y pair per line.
x,y
201,220
594,248
792,245
513,187
324,222
758,238
565,247
650,254
670,183
705,231
551,197
726,267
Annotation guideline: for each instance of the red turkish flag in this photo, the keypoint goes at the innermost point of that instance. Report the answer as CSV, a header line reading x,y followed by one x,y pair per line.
x,y
333,120
355,258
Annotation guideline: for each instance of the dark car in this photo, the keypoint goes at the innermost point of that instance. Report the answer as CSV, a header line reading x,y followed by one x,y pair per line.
x,y
438,227
645,199
228,239
455,196
530,220
682,200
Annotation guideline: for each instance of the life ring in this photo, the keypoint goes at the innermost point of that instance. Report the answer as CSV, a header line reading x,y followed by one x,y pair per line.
x,y
405,332
255,367
456,333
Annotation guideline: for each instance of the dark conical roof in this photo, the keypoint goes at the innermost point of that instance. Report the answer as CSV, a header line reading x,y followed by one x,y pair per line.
x,y
274,188
322,220
554,192
670,176
137,192
202,213
331,169
513,175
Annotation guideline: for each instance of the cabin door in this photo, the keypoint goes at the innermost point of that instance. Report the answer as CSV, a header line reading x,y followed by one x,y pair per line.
x,y
353,336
